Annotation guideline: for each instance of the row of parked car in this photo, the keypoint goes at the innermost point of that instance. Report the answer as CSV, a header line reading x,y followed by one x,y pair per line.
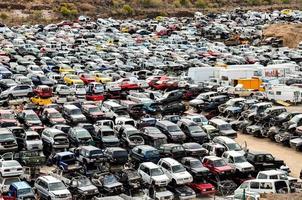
x,y
93,109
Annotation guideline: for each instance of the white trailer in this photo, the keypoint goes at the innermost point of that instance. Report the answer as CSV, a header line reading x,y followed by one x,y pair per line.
x,y
239,73
202,74
284,93
279,70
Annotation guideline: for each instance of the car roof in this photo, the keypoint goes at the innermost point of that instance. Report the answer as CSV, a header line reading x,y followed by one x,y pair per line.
x,y
49,179
65,153
225,139
70,106
21,185
272,172
170,161
150,165
90,148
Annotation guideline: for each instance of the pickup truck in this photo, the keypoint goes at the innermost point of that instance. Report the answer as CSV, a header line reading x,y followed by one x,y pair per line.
x,y
264,161
66,161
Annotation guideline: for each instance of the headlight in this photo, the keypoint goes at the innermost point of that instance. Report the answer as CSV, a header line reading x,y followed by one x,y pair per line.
x,y
85,192
182,194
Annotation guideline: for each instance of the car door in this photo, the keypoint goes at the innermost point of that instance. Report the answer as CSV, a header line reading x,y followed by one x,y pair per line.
x,y
24,90
142,173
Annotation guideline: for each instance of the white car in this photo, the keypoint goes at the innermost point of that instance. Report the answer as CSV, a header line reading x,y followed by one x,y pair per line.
x,y
78,89
175,171
5,182
10,168
153,174
238,161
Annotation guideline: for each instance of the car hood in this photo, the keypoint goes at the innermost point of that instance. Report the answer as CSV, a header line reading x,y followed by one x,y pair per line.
x,y
33,142
34,122
160,178
224,168
57,120
184,174
244,165
112,185
200,169
196,101
60,192
164,194
89,187
110,138
80,116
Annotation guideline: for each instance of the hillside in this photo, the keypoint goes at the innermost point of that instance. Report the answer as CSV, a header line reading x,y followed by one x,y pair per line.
x,y
45,11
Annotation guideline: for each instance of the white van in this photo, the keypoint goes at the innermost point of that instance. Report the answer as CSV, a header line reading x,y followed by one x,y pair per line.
x,y
284,93
263,186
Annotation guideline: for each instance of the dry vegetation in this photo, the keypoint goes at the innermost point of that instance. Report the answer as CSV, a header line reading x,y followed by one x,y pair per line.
x,y
46,11
294,196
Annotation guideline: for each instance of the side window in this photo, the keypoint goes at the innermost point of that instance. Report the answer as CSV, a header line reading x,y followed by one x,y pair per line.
x,y
262,176
273,177
142,167
278,92
266,186
254,185
164,165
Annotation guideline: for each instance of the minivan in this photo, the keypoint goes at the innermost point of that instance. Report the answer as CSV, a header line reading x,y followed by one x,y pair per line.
x,y
73,114
225,129
171,130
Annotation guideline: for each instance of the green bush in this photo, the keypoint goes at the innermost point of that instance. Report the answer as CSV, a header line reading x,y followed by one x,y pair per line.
x,y
68,10
186,3
176,4
285,1
3,16
118,3
127,10
200,4
151,3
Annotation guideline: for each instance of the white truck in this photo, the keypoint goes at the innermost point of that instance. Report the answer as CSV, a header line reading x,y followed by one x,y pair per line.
x,y
201,74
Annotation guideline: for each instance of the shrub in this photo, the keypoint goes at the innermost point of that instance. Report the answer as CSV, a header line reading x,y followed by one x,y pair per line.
x,y
3,16
200,4
86,7
285,1
186,3
118,3
151,3
68,10
176,4
127,10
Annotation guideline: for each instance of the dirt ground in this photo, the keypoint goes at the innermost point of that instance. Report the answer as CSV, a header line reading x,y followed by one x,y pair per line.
x,y
292,158
291,34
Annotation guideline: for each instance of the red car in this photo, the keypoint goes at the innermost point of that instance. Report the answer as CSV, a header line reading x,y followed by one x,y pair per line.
x,y
7,118
217,165
128,84
87,78
203,188
43,91
163,83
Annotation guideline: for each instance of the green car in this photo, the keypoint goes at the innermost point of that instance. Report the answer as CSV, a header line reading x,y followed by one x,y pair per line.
x,y
31,158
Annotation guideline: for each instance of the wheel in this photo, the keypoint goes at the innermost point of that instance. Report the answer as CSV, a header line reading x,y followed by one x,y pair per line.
x,y
10,97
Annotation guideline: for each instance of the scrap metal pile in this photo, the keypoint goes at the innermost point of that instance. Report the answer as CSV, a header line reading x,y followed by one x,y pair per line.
x,y
147,109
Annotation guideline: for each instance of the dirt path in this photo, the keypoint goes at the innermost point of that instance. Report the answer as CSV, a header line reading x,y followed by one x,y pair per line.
x,y
292,158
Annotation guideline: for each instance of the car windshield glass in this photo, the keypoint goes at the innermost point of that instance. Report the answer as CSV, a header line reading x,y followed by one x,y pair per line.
x,y
75,112
219,163
24,191
33,137
178,168
10,164
9,181
83,134
6,136
107,133
239,159
43,78
156,172
84,182
177,149
225,127
195,129
7,116
233,147
195,163
283,115
120,154
197,119
96,152
152,153
56,186
31,117
55,115
173,128
94,109
110,179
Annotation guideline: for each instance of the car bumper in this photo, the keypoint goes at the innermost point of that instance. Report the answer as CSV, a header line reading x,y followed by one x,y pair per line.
x,y
187,197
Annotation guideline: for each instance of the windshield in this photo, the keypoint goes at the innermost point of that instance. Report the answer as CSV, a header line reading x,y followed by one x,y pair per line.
x,y
283,115
107,133
233,147
31,117
9,181
219,163
195,129
75,112
33,137
10,164
7,116
55,115
56,186
178,168
195,163
120,154
24,191
6,136
84,182
152,153
110,179
239,159
225,127
83,133
173,128
94,109
96,152
177,149
156,172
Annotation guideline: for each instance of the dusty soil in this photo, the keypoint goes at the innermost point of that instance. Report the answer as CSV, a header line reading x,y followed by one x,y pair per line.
x,y
291,157
282,197
291,34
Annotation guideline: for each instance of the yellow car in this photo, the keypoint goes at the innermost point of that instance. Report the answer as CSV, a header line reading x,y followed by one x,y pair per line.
x,y
71,79
64,69
101,78
41,101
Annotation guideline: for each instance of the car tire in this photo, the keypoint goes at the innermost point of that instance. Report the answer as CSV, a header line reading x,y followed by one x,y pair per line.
x,y
10,97
173,182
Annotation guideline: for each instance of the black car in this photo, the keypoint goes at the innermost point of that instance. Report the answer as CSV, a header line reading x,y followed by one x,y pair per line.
x,y
181,192
172,96
38,79
153,136
194,166
263,161
116,155
194,149
173,108
214,102
172,150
